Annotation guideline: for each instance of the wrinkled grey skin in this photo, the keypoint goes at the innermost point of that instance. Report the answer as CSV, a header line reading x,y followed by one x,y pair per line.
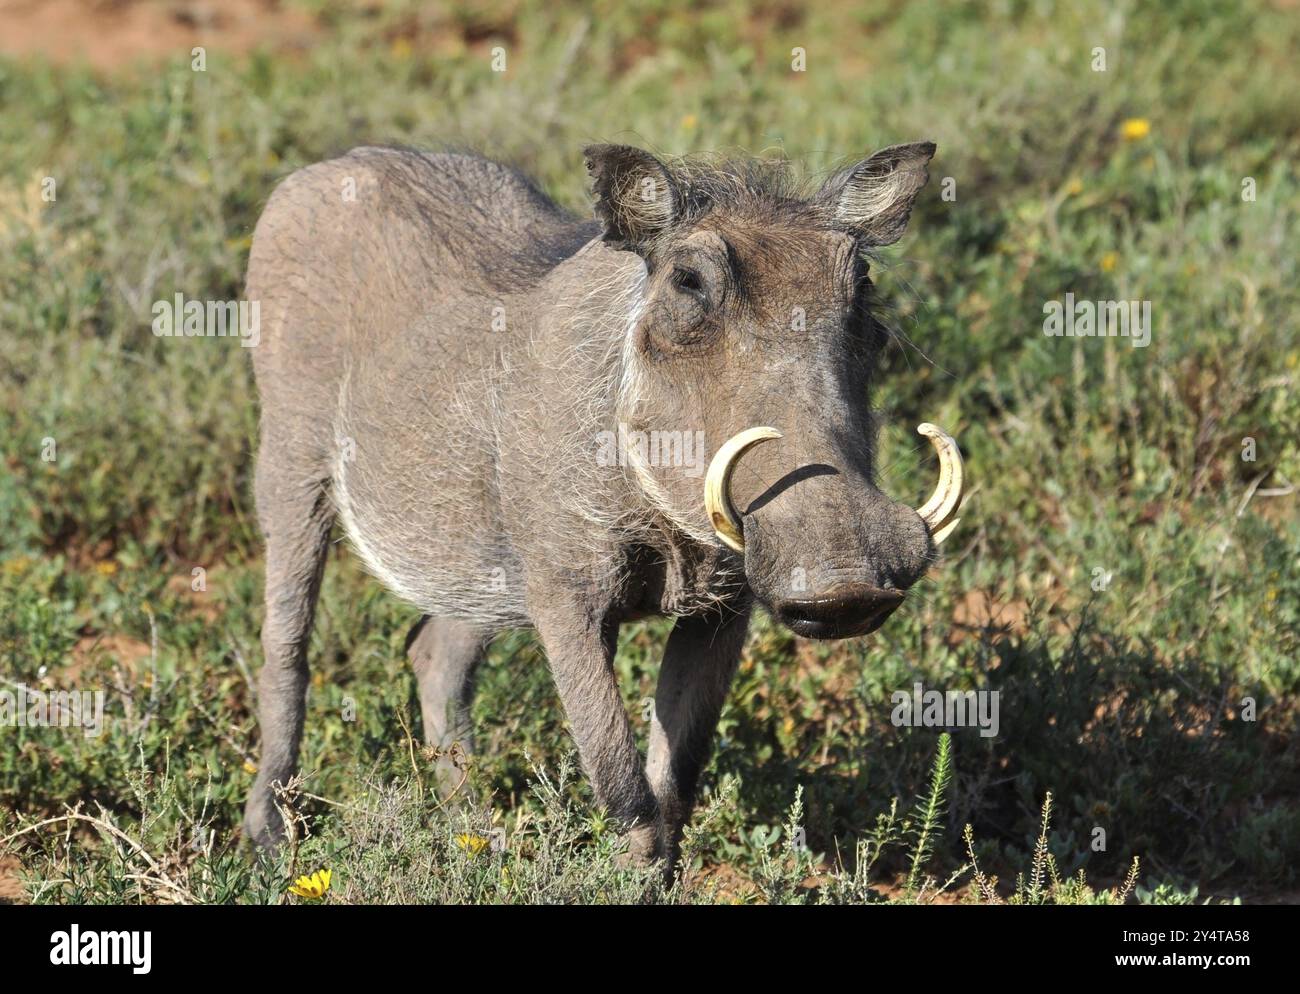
x,y
442,348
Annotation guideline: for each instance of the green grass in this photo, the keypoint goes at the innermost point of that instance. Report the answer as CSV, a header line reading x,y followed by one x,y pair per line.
x,y
1124,703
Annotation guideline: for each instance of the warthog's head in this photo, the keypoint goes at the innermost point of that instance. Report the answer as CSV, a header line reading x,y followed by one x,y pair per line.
x,y
754,324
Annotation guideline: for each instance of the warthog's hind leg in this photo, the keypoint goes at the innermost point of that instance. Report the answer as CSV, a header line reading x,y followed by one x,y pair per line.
x,y
445,655
295,514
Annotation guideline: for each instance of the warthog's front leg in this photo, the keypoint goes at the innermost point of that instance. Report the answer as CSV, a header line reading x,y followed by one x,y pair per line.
x,y
580,648
698,666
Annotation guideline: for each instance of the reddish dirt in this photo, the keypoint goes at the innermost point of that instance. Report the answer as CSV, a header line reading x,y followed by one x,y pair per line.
x,y
128,651
11,888
978,609
108,34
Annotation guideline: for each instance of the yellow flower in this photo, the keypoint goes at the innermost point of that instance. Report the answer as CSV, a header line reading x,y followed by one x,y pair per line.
x,y
1109,261
249,768
1135,129
689,121
106,568
1074,187
314,887
471,844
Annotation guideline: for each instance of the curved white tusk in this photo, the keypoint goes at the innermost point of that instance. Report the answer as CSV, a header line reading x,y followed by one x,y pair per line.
x,y
717,484
938,511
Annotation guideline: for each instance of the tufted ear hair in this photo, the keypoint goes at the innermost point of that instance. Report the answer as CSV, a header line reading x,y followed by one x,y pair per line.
x,y
874,198
636,196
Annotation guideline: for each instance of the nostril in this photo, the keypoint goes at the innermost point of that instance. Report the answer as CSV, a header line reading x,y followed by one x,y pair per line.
x,y
841,612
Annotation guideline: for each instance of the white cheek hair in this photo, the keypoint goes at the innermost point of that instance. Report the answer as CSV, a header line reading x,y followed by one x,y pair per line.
x,y
630,381
630,392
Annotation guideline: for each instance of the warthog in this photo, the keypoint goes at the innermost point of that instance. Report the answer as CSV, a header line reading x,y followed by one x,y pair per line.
x,y
446,356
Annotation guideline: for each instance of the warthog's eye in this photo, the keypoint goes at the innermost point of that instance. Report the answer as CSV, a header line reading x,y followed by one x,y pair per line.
x,y
689,281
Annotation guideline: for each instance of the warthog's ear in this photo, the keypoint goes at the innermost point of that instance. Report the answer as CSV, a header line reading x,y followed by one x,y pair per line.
x,y
636,196
874,198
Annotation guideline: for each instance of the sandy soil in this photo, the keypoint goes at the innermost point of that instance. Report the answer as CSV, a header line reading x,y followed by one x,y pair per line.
x,y
110,34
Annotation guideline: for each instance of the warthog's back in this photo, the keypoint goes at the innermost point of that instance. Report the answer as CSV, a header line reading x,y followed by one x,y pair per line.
x,y
385,277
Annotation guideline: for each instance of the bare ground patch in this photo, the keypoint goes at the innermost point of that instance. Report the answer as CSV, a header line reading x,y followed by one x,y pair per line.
x,y
109,34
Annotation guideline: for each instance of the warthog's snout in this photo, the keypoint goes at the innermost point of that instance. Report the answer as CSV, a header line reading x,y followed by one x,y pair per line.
x,y
828,553
842,611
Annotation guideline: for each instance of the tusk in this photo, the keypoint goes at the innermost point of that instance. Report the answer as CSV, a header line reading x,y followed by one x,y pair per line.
x,y
938,511
717,484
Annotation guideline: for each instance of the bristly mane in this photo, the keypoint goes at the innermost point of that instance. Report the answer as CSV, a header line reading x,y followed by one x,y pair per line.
x,y
709,182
